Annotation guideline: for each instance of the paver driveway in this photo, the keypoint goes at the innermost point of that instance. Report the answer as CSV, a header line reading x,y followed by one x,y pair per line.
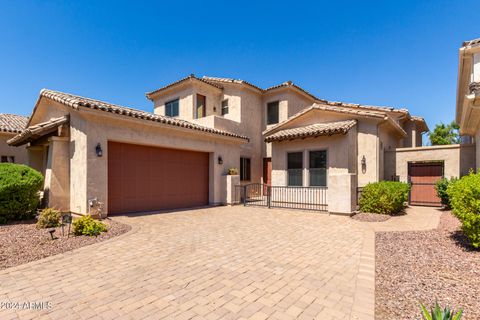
x,y
213,263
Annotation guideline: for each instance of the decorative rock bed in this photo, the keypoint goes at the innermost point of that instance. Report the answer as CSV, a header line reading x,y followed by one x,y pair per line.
x,y
425,266
370,217
22,242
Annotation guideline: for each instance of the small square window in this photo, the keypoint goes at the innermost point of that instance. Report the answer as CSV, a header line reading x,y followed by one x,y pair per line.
x,y
7,159
171,108
224,107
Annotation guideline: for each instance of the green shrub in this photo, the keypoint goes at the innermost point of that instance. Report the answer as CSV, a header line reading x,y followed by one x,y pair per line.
x,y
437,313
19,191
49,218
385,197
441,187
88,226
465,202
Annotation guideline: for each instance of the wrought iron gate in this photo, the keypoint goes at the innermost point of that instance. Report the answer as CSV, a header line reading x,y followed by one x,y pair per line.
x,y
304,198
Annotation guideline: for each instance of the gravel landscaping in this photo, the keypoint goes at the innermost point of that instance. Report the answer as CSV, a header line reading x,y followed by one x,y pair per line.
x,y
22,242
414,267
370,217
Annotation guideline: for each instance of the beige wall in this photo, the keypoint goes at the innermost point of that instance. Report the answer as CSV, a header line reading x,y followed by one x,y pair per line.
x,y
477,153
187,95
458,159
20,153
102,128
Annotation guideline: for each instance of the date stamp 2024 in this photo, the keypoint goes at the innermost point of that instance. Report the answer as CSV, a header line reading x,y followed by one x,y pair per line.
x,y
25,305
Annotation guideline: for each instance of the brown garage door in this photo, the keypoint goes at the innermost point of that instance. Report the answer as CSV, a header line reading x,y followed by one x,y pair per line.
x,y
422,177
142,178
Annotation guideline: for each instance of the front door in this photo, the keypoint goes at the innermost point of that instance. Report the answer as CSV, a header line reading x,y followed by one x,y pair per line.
x,y
267,171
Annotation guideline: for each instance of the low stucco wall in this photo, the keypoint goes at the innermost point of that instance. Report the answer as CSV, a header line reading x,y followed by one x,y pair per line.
x,y
20,153
341,164
458,159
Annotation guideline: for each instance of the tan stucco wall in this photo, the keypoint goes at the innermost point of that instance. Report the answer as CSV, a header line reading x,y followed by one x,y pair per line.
x,y
458,159
102,128
187,95
20,153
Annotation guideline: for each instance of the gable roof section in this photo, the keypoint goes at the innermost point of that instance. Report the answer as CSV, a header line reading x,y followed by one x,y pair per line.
x,y
342,110
230,80
12,123
77,102
311,131
36,131
191,77
290,84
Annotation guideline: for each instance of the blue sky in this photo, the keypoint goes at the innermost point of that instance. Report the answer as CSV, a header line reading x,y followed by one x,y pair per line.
x,y
401,54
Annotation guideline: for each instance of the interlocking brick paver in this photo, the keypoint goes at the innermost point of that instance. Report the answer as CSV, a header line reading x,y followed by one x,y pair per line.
x,y
212,263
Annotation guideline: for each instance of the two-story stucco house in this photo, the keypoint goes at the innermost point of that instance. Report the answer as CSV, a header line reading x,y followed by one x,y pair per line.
x,y
468,93
178,156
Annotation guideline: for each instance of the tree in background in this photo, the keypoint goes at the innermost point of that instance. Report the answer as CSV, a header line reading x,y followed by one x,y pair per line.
x,y
445,134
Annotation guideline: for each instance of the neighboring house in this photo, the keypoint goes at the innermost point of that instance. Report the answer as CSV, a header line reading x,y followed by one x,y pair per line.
x,y
178,155
10,126
468,93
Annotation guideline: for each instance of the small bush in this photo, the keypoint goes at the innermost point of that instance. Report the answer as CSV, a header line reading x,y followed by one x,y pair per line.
x,y
385,197
88,226
19,192
232,172
437,313
465,202
441,188
49,218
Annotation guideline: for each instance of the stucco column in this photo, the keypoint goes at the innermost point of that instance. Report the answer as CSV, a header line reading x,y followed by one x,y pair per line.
x,y
57,179
342,193
36,158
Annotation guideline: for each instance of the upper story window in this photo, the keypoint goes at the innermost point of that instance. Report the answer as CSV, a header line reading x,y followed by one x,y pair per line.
x,y
245,174
171,108
318,168
200,110
224,107
294,169
272,112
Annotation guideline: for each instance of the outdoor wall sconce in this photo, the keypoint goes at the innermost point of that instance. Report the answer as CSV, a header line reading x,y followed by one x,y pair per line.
x,y
364,164
220,160
98,150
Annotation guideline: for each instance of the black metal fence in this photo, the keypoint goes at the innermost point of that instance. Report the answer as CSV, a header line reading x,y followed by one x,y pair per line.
x,y
305,198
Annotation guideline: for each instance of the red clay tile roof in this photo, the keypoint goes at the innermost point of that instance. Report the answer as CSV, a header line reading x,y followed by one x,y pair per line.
x,y
38,130
471,42
344,110
190,77
75,102
287,84
314,130
12,123
230,80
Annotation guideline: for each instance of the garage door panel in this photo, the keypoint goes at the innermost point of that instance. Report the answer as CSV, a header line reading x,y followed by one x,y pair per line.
x,y
142,178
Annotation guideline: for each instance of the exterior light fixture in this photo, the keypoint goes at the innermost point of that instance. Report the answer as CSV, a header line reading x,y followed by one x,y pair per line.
x,y
220,160
364,164
98,150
